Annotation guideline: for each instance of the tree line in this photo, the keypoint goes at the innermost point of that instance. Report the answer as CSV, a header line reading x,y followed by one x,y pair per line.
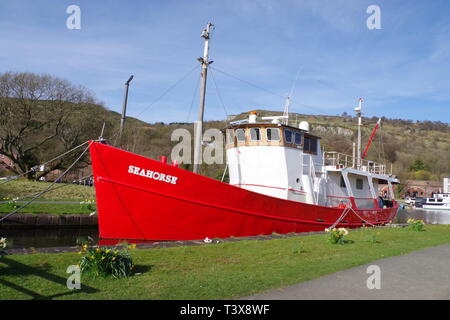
x,y
41,117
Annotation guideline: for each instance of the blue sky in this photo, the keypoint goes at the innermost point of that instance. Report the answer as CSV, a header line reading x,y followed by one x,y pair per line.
x,y
402,70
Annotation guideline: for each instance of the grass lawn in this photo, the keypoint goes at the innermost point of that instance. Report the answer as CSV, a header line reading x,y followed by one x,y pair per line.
x,y
66,192
215,271
51,208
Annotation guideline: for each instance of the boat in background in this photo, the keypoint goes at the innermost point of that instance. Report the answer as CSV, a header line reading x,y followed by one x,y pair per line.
x,y
280,181
439,201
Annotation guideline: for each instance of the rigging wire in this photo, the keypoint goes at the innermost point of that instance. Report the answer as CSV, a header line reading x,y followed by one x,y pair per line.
x,y
247,82
193,99
43,164
167,91
301,105
48,188
219,96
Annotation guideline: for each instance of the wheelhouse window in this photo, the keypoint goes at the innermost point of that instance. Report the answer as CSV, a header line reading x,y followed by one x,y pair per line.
x,y
287,136
343,182
310,144
273,134
255,134
240,135
298,138
359,184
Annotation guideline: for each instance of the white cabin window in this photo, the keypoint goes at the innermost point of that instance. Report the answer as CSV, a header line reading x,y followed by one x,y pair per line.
x,y
255,134
298,138
273,134
240,134
359,184
287,136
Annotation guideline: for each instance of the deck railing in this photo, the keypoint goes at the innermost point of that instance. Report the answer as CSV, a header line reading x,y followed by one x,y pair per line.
x,y
348,161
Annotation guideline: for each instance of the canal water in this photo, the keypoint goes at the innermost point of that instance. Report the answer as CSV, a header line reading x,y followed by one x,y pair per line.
x,y
44,238
427,215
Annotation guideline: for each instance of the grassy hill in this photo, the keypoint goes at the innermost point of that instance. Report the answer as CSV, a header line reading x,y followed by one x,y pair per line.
x,y
416,150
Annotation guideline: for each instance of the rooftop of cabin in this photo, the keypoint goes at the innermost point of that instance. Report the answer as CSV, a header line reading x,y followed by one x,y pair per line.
x,y
269,121
271,131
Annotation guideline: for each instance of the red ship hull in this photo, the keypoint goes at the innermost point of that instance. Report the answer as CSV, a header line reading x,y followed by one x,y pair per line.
x,y
142,199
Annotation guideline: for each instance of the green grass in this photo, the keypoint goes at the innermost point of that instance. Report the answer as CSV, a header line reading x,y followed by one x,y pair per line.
x,y
25,188
216,271
50,208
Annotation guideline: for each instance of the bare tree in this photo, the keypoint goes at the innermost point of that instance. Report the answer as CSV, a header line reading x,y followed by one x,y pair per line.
x,y
40,117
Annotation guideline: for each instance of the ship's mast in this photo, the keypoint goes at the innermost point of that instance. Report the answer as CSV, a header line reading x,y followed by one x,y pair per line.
x,y
358,114
199,128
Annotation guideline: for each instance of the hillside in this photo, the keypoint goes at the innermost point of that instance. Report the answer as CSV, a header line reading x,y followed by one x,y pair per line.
x,y
416,150
42,116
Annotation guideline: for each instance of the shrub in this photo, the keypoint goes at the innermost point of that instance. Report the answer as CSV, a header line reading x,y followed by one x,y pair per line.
x,y
337,235
416,225
104,261
88,204
11,203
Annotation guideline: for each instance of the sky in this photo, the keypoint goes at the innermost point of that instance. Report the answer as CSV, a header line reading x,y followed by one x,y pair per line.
x,y
320,51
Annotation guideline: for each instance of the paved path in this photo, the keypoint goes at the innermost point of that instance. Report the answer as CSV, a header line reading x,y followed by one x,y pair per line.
x,y
421,274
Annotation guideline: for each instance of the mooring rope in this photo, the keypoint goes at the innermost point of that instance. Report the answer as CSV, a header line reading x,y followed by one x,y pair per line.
x,y
343,214
365,221
47,189
43,164
347,209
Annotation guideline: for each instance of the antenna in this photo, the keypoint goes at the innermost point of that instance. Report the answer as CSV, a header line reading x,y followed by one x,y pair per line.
x,y
358,111
286,111
288,100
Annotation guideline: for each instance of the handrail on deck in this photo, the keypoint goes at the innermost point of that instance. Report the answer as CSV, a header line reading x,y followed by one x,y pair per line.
x,y
333,158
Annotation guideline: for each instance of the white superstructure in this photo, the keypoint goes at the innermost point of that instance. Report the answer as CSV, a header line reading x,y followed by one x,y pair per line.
x,y
287,162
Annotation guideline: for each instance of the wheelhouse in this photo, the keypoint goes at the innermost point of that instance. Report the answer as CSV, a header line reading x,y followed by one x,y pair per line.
x,y
268,134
